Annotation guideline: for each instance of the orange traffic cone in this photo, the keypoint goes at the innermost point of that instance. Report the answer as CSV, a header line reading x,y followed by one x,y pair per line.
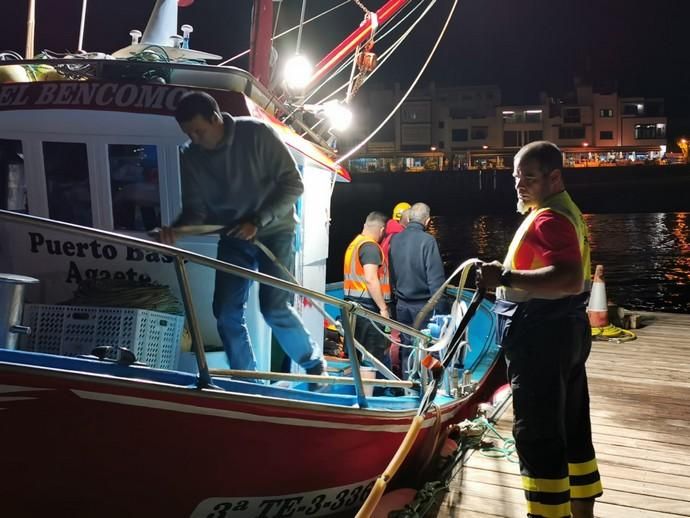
x,y
598,306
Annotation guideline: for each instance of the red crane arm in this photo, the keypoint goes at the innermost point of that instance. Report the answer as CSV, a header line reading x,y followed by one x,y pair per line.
x,y
359,35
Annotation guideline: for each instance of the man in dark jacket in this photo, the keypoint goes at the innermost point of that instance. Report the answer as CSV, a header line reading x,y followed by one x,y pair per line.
x,y
237,172
416,270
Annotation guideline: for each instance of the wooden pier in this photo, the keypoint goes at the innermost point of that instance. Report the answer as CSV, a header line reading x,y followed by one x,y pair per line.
x,y
640,407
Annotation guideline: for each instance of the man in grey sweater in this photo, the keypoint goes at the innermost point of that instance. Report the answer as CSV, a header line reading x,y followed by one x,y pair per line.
x,y
416,272
236,172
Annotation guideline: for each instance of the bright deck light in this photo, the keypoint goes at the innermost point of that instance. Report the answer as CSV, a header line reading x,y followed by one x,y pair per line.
x,y
298,71
338,114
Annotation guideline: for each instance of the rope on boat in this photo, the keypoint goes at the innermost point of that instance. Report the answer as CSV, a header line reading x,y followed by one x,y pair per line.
x,y
471,436
287,31
126,294
487,448
611,333
356,148
426,401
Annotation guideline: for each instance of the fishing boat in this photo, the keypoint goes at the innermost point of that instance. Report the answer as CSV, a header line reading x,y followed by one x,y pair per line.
x,y
119,421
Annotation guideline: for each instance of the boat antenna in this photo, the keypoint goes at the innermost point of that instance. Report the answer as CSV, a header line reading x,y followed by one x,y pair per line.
x,y
30,28
301,25
80,45
162,23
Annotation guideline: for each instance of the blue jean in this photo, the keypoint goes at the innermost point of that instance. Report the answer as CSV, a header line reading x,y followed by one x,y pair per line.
x,y
406,312
230,303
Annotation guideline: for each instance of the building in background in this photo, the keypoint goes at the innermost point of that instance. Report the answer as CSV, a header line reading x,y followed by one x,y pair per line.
x,y
468,127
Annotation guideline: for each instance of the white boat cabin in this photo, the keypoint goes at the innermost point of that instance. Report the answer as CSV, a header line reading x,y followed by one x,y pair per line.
x,y
102,150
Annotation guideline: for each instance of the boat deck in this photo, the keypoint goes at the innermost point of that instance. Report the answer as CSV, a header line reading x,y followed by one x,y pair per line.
x,y
640,407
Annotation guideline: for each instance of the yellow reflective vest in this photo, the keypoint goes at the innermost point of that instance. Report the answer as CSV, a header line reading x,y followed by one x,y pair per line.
x,y
563,204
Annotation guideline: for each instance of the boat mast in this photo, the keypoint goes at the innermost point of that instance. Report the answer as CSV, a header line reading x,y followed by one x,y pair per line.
x,y
260,41
80,45
30,28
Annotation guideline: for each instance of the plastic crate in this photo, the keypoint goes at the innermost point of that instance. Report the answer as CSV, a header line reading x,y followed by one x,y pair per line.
x,y
153,337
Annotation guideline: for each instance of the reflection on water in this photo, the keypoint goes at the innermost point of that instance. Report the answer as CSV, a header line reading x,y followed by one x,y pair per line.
x,y
646,257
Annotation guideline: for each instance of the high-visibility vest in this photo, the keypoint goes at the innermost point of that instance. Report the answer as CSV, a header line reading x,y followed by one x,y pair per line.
x,y
563,204
354,283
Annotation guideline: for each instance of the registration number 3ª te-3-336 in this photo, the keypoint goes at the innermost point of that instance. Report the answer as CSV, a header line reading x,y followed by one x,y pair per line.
x,y
317,503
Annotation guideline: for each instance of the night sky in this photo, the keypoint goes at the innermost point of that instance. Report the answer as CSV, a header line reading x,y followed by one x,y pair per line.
x,y
524,46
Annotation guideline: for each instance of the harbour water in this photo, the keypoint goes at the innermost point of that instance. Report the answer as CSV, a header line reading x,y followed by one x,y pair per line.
x,y
646,256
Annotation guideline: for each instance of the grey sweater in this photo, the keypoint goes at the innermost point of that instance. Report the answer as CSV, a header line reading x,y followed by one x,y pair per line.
x,y
251,176
415,263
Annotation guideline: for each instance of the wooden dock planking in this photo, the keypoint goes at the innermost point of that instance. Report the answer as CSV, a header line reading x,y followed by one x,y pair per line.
x,y
640,408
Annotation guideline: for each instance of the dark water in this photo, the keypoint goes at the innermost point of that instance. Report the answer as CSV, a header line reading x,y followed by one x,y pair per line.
x,y
646,257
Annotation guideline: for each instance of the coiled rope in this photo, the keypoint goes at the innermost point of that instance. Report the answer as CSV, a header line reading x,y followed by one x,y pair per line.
x,y
472,437
611,333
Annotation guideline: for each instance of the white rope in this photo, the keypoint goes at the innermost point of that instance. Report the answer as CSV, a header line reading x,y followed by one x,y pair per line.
x,y
384,55
407,93
285,32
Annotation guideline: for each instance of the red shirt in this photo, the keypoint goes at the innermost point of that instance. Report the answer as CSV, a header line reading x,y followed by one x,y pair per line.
x,y
550,239
392,227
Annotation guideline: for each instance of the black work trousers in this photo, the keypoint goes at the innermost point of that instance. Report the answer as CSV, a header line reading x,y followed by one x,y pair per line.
x,y
546,367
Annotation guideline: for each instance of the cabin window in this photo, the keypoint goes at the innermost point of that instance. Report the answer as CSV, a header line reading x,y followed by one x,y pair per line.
x,y
134,186
479,132
511,138
534,135
12,178
459,135
67,182
571,115
571,132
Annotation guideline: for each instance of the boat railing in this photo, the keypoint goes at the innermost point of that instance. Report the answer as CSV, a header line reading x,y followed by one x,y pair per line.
x,y
348,310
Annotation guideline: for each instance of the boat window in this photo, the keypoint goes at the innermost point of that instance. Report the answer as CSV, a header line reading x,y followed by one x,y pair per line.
x,y
12,179
67,182
134,186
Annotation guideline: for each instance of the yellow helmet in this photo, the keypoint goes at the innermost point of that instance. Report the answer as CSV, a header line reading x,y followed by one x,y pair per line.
x,y
399,209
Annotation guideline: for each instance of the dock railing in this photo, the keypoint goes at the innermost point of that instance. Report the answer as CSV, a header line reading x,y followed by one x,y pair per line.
x,y
348,310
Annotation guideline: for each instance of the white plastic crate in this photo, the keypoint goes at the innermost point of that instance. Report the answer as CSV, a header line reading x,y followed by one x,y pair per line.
x,y
153,337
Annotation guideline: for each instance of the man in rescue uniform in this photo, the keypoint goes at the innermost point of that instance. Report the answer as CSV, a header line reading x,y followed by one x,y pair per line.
x,y
395,225
366,281
542,291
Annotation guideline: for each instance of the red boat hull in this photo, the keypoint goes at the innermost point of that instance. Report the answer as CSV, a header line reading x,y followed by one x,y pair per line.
x,y
80,445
